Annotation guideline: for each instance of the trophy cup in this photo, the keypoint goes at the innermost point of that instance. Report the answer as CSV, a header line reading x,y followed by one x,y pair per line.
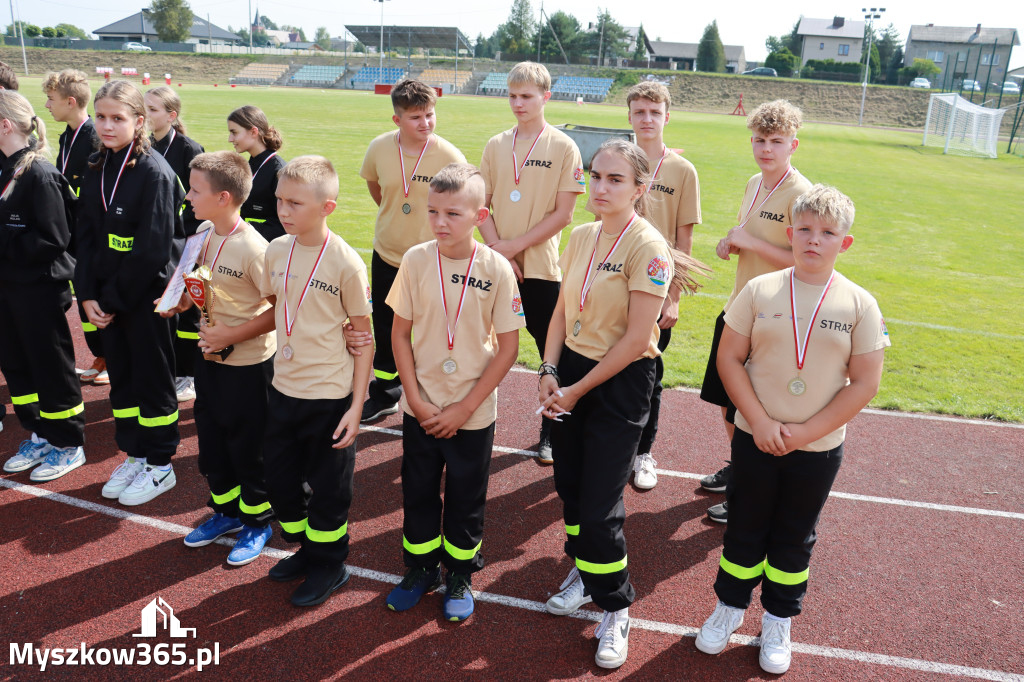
x,y
199,286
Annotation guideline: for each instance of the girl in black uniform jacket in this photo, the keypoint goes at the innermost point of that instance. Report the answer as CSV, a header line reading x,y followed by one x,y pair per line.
x,y
130,235
163,111
37,355
250,132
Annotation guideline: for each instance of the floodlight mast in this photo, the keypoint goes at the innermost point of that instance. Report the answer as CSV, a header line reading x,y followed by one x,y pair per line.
x,y
874,13
381,34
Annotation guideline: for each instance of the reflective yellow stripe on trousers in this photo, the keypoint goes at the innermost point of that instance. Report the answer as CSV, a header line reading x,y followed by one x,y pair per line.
x,y
422,547
326,535
461,554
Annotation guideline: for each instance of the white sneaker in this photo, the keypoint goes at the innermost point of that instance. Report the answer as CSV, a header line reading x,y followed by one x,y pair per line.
x,y
149,483
31,452
776,648
122,477
645,478
185,387
714,634
613,631
59,461
572,596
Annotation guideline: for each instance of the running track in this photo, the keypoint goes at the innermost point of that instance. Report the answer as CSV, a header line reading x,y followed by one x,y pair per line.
x,y
917,575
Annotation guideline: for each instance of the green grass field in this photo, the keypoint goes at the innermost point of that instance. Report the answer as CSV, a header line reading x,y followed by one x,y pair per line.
x,y
938,240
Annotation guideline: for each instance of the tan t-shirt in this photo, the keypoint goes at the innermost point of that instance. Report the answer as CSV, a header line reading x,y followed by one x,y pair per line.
x,y
848,323
320,366
641,262
237,277
554,166
491,306
768,223
674,195
396,230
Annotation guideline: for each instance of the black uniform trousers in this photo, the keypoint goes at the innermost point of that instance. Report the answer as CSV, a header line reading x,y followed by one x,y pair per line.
x,y
37,357
774,506
651,428
231,406
298,449
539,298
594,449
139,352
186,338
386,387
465,461
91,333
712,390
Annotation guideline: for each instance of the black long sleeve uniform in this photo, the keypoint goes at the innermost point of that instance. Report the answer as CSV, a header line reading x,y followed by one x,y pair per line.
x,y
260,209
179,150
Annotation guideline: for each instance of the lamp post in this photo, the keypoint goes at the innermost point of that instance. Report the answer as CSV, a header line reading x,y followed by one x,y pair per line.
x,y
869,15
381,34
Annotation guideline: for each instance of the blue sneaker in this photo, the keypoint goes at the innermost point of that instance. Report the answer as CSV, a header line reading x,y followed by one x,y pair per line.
x,y
211,529
30,453
249,545
458,597
58,462
416,583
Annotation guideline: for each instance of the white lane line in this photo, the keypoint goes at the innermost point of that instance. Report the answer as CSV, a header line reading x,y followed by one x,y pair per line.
x,y
846,496
915,664
956,330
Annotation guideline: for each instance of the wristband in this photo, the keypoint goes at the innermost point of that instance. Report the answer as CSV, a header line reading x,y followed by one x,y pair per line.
x,y
547,368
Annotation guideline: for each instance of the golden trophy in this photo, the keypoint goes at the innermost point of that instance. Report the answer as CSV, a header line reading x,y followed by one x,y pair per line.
x,y
199,285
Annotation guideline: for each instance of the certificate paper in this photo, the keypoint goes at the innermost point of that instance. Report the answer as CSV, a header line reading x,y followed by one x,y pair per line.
x,y
175,288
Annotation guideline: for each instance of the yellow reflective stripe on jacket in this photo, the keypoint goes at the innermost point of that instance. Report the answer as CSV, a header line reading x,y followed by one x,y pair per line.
x,y
120,243
126,413
601,569
188,335
25,399
741,572
64,414
386,376
255,220
572,530
228,496
461,554
89,327
293,526
258,509
326,535
158,421
423,547
782,577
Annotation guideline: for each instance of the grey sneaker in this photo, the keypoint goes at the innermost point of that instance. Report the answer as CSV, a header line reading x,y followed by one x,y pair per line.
x,y
58,462
572,596
719,513
718,481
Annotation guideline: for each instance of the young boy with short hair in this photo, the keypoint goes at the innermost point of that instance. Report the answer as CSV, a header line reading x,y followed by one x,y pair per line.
x,y
675,208
231,388
398,167
759,241
458,299
316,399
533,173
800,356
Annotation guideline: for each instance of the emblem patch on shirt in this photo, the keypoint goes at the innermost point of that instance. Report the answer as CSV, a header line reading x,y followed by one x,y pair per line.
x,y
657,270
369,296
578,175
517,306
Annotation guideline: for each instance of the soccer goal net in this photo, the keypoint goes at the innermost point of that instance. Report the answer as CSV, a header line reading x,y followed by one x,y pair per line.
x,y
960,127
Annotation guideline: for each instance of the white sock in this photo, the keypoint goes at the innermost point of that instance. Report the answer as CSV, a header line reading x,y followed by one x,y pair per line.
x,y
769,616
37,439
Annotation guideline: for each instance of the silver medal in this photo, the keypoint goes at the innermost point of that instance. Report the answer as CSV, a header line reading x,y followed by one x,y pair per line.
x,y
287,353
406,209
449,366
797,386
515,195
576,328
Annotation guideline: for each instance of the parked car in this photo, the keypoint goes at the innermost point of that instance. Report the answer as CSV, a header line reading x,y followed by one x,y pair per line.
x,y
136,47
1010,88
972,86
761,71
920,83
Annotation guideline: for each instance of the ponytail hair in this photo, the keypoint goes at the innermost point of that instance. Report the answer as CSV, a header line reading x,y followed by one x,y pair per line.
x,y
16,109
171,103
249,117
130,97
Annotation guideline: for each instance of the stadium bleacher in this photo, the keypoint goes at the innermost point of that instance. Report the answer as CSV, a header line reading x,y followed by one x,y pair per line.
x,y
371,75
494,84
446,77
318,75
260,74
590,89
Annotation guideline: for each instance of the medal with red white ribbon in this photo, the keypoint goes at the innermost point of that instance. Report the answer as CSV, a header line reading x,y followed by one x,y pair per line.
x,y
588,281
219,248
760,184
66,156
654,177
103,173
407,184
272,155
289,319
449,366
516,168
798,386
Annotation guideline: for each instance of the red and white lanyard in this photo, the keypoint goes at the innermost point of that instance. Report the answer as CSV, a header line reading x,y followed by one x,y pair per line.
x,y
171,141
760,184
103,178
406,184
801,349
219,248
272,155
66,156
654,177
517,169
289,319
462,297
588,281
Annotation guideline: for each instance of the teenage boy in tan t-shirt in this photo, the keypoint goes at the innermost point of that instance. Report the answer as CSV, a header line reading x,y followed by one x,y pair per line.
x,y
318,282
759,241
533,173
458,300
398,167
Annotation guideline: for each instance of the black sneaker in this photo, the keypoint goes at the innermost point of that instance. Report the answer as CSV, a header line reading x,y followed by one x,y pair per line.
x,y
544,453
718,481
289,568
373,410
321,581
719,513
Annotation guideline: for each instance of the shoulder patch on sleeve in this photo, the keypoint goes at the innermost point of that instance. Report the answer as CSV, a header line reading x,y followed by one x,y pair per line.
x,y
657,270
578,175
517,306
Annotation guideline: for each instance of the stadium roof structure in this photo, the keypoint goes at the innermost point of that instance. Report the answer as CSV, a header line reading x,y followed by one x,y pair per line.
x,y
141,24
429,37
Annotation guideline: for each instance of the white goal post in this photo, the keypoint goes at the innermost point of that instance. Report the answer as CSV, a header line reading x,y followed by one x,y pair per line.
x,y
961,127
